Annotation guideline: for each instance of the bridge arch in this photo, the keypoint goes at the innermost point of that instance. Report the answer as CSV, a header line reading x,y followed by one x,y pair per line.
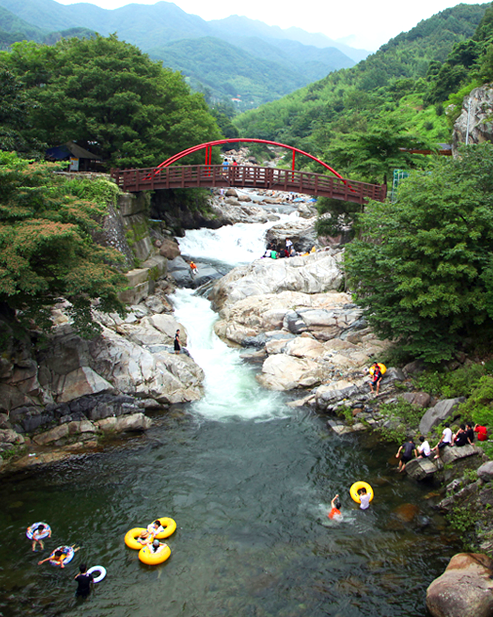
x,y
219,142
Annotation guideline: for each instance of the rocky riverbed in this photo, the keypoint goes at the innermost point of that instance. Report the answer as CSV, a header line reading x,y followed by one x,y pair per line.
x,y
292,316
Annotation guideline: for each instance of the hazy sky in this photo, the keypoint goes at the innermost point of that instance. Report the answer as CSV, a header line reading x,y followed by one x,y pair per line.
x,y
369,24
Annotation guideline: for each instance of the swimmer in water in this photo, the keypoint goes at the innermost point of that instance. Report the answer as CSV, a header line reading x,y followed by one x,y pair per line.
x,y
335,513
364,498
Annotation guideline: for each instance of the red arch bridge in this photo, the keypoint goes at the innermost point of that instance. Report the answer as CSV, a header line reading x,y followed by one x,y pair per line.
x,y
169,176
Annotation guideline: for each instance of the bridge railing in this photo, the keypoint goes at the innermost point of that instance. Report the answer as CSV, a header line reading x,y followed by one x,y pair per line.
x,y
247,176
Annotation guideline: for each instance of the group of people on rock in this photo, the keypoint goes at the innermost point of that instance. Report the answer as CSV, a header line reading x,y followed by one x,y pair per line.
x,y
271,251
463,436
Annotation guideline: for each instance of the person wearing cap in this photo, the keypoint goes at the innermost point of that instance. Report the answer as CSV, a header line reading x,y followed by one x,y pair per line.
x,y
335,513
156,546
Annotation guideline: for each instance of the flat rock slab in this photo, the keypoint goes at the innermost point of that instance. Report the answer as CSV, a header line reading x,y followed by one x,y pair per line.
x,y
343,429
450,455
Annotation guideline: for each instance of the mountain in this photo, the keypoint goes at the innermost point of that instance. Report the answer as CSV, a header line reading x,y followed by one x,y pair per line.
x,y
223,71
14,29
243,27
256,52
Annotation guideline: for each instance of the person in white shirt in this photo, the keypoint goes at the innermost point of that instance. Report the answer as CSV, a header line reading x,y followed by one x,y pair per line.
x,y
446,440
364,498
424,449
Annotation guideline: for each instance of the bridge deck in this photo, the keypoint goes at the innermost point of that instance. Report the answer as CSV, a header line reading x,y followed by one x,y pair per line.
x,y
193,176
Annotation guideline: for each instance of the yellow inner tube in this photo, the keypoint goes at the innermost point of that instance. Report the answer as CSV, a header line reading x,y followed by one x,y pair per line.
x,y
131,538
356,487
152,559
383,369
169,527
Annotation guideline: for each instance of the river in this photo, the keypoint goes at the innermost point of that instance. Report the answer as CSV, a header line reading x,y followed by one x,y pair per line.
x,y
249,482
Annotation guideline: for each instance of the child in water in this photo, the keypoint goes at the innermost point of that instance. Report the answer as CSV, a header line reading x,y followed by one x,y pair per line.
x,y
335,513
364,498
40,531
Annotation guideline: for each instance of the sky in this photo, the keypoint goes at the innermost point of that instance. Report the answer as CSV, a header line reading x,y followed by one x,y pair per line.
x,y
359,23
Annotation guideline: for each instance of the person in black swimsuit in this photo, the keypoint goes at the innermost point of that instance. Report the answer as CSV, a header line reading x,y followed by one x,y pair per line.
x,y
408,450
84,582
177,344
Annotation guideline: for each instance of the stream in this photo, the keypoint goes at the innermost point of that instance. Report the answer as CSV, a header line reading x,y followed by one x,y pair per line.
x,y
249,482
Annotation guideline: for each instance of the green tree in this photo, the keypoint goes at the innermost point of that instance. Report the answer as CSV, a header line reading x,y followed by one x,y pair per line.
x,y
14,118
108,96
372,155
423,267
46,247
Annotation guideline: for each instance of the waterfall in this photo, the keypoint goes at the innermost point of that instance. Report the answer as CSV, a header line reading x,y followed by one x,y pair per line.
x,y
231,390
231,244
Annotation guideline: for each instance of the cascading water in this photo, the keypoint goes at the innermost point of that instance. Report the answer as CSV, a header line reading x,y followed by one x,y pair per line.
x,y
231,390
230,386
231,244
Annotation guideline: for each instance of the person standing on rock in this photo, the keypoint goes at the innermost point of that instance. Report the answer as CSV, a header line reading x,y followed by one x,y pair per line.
x,y
193,269
408,450
177,343
289,245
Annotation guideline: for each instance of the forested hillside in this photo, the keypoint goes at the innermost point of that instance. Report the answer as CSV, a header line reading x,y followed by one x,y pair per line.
x,y
384,99
260,64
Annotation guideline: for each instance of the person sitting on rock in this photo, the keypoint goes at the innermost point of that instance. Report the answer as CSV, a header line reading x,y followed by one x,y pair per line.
x,y
376,377
470,433
481,431
445,440
460,438
424,449
335,513
408,450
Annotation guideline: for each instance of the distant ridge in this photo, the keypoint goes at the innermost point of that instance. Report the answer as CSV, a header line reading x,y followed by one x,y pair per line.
x,y
269,62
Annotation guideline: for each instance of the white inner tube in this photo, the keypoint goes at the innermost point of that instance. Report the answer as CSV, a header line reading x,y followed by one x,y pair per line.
x,y
101,570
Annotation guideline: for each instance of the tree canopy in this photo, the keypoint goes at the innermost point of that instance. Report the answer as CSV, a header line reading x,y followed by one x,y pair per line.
x,y
108,97
46,247
422,268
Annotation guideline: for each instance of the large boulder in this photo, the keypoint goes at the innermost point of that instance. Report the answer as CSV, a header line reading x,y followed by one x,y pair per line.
x,y
315,273
283,372
437,414
420,468
465,589
485,472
